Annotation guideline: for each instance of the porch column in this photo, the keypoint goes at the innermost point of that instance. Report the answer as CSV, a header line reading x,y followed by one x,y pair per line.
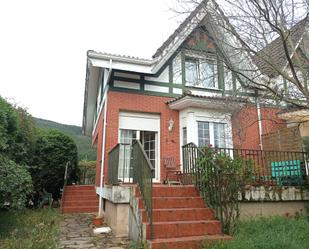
x,y
191,128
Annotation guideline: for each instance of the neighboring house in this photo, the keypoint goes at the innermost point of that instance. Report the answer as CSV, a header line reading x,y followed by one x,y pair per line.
x,y
184,94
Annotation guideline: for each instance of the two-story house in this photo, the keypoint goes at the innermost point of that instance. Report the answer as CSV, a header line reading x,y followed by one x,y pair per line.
x,y
184,93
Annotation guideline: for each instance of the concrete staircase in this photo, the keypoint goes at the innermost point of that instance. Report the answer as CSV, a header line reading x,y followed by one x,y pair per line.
x,y
80,199
180,219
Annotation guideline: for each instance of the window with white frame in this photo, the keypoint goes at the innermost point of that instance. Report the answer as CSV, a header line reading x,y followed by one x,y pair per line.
x,y
211,133
201,72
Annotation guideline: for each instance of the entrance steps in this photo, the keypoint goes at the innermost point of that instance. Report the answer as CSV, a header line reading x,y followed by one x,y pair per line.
x,y
80,199
180,219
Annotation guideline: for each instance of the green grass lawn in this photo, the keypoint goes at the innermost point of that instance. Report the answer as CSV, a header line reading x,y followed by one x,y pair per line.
x,y
270,233
29,229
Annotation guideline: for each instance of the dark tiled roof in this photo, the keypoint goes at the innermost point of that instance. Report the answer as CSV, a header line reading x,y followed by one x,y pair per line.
x,y
179,29
275,50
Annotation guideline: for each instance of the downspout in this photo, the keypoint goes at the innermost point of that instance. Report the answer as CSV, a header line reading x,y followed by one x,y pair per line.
x,y
104,141
258,108
103,157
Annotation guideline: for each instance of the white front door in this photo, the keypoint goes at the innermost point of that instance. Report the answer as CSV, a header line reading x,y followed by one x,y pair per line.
x,y
146,128
149,140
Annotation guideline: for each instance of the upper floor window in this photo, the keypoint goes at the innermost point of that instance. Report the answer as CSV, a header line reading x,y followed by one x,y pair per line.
x,y
201,72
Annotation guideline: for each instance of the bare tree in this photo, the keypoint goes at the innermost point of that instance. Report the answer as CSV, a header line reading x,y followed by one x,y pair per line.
x,y
264,42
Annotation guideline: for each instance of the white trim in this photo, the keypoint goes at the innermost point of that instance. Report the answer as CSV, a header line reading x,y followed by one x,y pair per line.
x,y
153,88
127,85
103,157
189,118
143,122
177,90
107,75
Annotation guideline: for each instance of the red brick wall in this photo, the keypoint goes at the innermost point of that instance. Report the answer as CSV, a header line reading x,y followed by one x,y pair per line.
x,y
246,129
117,101
244,123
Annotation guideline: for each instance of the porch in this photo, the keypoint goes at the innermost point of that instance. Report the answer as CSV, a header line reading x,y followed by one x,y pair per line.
x,y
130,190
268,168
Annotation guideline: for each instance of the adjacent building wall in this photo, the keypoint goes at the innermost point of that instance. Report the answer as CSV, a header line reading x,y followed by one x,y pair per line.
x,y
245,125
285,139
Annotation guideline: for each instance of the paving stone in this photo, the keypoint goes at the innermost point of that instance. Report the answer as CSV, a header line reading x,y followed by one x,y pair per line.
x,y
76,231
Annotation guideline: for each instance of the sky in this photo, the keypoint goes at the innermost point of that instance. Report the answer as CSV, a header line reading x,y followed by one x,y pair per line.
x,y
43,45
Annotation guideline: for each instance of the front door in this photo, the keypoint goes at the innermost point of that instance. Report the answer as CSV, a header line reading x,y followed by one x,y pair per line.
x,y
149,140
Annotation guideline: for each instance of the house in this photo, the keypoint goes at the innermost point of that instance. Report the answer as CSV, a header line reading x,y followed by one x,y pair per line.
x,y
184,94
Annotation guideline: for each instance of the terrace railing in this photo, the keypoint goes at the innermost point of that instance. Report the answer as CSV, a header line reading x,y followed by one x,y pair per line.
x,y
130,164
288,168
283,168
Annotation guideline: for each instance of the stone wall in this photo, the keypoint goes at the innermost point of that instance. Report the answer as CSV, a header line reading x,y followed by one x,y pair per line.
x,y
274,193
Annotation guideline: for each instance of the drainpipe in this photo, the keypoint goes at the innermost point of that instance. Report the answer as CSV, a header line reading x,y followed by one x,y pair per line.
x,y
258,108
103,156
104,139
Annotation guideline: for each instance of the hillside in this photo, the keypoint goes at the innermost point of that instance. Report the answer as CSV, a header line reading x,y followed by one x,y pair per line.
x,y
85,151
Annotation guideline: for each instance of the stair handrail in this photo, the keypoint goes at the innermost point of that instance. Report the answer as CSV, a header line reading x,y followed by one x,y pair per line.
x,y
143,172
65,178
192,174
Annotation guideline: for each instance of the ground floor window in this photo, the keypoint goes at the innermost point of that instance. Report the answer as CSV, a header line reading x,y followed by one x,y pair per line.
x,y
211,133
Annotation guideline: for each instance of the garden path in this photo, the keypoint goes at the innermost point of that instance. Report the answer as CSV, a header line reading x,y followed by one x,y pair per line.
x,y
76,231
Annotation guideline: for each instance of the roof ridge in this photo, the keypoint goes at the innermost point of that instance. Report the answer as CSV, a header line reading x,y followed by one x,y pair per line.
x,y
179,28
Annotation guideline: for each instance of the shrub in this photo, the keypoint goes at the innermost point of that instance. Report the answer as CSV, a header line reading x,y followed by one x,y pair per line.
x,y
53,150
222,181
15,184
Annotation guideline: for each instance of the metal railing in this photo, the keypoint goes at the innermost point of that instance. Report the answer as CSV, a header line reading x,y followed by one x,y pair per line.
x,y
142,175
130,164
288,168
202,169
210,190
65,181
120,169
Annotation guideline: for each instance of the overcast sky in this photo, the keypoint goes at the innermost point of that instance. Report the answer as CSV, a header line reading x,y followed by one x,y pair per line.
x,y
43,46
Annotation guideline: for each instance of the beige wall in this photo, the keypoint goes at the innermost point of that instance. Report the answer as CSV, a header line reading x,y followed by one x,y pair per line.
x,y
249,210
304,129
117,217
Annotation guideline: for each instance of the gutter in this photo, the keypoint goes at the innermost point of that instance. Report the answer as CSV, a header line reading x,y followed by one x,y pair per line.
x,y
138,61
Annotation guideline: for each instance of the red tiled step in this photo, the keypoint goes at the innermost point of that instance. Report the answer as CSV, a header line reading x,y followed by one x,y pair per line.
x,y
80,187
174,191
171,191
80,192
181,214
192,242
174,202
184,229
80,209
83,197
78,203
